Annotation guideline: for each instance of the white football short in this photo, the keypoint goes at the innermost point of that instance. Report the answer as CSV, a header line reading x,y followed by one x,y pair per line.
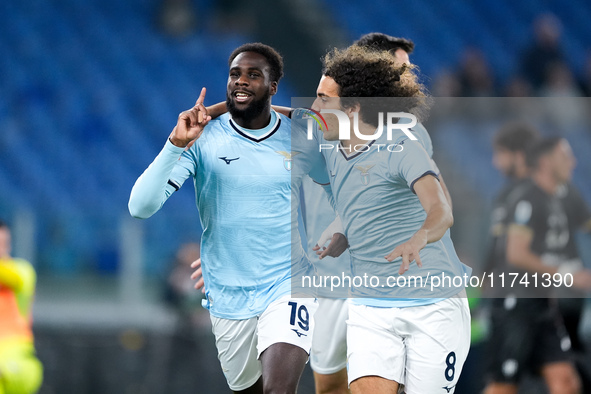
x,y
241,342
422,347
329,344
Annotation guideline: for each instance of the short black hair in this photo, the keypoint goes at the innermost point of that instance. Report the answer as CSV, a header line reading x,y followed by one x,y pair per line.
x,y
374,75
384,42
516,136
273,57
541,148
3,224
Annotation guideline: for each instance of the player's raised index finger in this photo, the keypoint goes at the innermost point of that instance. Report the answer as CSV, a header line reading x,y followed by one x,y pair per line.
x,y
201,98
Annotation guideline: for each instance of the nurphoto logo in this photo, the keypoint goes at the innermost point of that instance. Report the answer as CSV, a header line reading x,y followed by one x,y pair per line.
x,y
344,125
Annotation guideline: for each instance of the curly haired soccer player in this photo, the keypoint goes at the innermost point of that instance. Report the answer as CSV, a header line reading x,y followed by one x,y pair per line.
x,y
394,212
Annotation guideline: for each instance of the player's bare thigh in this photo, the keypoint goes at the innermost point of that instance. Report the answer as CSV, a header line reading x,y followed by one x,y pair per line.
x,y
334,383
283,364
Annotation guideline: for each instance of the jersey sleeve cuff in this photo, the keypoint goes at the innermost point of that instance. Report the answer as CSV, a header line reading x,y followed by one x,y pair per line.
x,y
412,185
172,148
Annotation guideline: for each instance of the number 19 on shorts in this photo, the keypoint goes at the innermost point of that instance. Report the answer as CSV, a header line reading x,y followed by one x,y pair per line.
x,y
300,316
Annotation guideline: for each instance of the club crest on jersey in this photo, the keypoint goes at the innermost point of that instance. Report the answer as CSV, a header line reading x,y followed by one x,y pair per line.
x,y
364,173
287,158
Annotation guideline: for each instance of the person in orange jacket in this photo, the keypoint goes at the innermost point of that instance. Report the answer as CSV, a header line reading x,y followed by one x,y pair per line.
x,y
20,370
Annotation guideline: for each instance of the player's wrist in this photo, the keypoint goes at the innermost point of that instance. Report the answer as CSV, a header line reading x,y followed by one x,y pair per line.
x,y
179,143
422,235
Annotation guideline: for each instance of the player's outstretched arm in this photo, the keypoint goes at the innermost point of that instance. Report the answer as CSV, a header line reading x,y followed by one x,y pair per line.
x,y
217,109
442,182
445,192
154,186
439,219
283,110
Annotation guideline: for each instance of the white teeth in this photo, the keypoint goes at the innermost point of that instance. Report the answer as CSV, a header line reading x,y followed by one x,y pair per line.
x,y
241,97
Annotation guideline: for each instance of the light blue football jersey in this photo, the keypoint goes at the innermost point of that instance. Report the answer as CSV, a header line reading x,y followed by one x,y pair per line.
x,y
423,137
374,197
244,191
316,219
319,214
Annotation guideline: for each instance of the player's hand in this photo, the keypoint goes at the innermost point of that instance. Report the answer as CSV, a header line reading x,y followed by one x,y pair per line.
x,y
409,251
190,124
338,244
198,275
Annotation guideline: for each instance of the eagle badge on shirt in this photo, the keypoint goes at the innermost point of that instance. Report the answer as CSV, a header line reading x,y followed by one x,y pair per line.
x,y
287,158
365,173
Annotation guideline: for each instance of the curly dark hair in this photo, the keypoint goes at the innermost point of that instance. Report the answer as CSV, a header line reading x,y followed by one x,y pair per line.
x,y
375,76
273,57
384,42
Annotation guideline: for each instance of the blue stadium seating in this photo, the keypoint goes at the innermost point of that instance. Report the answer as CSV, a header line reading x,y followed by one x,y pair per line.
x,y
90,91
441,30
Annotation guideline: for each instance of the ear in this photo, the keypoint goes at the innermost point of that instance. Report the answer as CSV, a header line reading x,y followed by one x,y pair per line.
x,y
273,88
353,109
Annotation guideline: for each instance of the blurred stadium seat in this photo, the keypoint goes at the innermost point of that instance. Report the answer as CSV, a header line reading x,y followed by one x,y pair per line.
x,y
90,91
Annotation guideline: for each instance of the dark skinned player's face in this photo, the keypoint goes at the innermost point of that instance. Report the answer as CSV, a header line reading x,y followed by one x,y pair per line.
x,y
249,85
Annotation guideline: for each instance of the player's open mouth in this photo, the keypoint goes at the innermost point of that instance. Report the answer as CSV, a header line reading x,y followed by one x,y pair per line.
x,y
242,97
